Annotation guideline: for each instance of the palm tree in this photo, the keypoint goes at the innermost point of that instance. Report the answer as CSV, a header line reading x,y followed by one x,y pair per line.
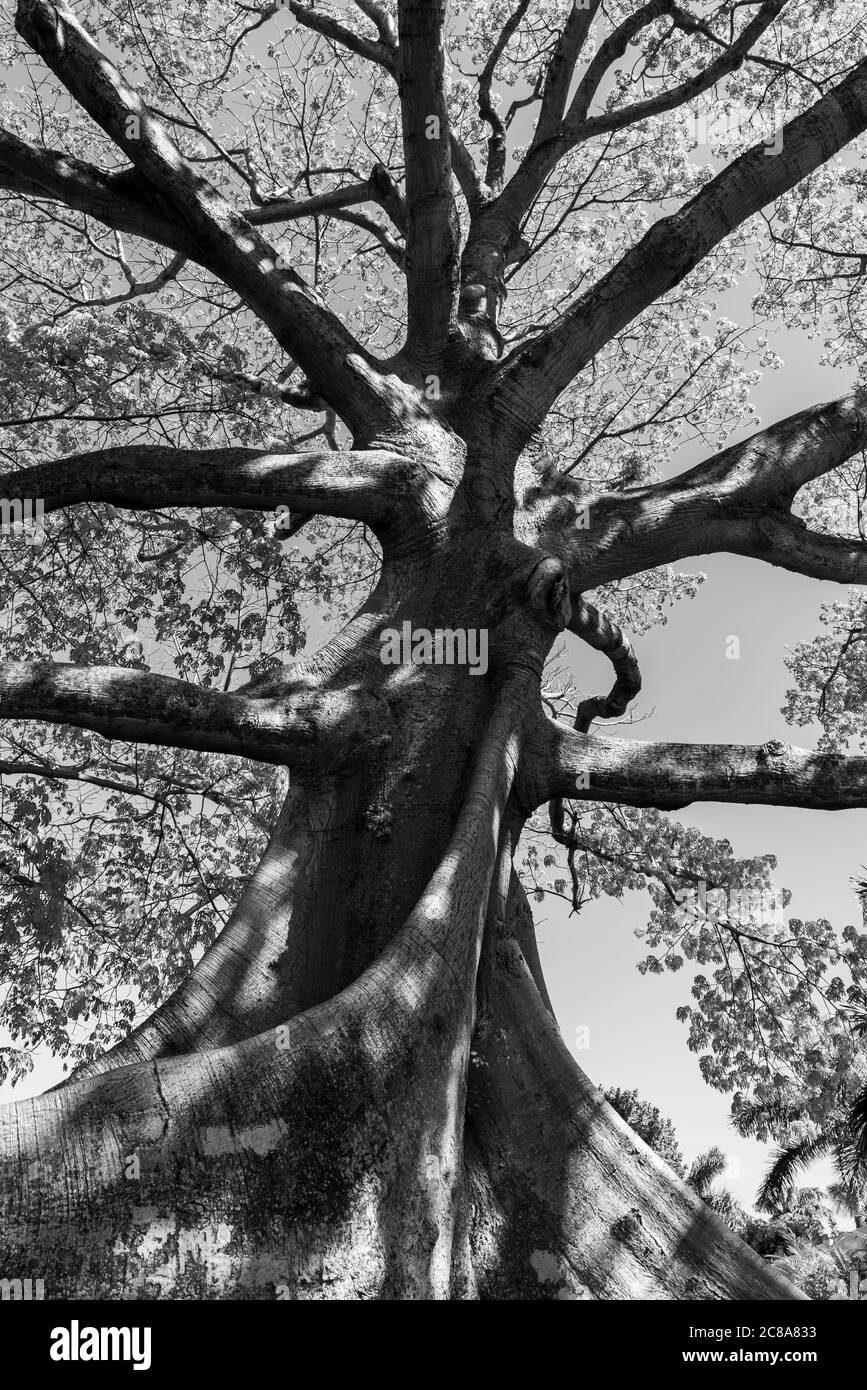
x,y
852,1202
858,1126
834,1140
857,1119
704,1172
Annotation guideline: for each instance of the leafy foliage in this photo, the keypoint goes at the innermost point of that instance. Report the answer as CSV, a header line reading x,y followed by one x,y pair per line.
x,y
650,1124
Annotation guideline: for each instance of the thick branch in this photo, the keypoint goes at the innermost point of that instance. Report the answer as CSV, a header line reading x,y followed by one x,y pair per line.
x,y
564,763
739,501
110,198
782,539
524,387
224,241
384,53
371,486
432,230
379,15
499,223
143,708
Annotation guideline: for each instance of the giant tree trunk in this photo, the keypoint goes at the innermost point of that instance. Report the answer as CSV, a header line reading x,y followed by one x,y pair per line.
x,y
361,1092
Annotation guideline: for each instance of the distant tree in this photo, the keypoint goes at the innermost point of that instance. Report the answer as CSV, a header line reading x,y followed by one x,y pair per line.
x,y
649,1124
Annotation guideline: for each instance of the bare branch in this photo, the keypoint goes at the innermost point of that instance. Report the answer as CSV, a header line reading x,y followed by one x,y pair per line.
x,y
580,126
600,633
739,501
138,288
564,763
372,486
554,136
336,203
558,77
140,707
379,188
374,50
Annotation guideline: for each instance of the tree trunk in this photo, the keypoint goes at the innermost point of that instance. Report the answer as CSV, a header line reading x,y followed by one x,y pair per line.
x,y
340,1102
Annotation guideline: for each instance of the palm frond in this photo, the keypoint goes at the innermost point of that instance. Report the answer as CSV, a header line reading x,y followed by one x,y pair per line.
x,y
858,1126
779,1181
705,1170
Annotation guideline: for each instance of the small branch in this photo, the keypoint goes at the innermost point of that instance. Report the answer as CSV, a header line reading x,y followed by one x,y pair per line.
x,y
496,166
138,288
600,633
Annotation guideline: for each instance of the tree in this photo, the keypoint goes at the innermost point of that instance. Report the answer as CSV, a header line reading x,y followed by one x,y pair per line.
x,y
801,1239
359,1089
834,1141
649,1124
704,1173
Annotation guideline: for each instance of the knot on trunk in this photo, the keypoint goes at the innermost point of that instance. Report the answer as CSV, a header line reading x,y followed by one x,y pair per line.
x,y
478,312
548,588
